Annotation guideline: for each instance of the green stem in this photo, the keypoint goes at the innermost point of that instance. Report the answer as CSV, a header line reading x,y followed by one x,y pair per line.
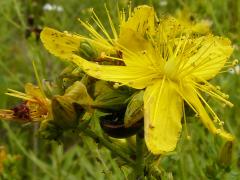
x,y
112,147
139,170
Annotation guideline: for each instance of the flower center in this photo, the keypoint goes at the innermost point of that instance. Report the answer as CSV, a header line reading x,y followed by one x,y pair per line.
x,y
170,68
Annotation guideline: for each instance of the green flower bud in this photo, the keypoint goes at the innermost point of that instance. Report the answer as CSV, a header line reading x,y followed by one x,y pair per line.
x,y
71,71
134,111
110,98
225,156
67,71
68,76
87,51
64,113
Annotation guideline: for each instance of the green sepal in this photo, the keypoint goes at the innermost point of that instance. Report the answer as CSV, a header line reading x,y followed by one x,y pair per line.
x,y
108,97
134,111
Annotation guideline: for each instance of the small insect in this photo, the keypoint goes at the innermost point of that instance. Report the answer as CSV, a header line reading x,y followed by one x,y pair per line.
x,y
113,125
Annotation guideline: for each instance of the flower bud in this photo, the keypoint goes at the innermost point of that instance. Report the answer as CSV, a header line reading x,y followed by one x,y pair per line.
x,y
64,113
87,51
67,71
110,98
78,93
134,111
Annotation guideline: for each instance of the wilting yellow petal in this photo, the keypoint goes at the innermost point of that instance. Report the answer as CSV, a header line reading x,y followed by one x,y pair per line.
x,y
135,77
210,57
132,31
190,95
33,91
162,117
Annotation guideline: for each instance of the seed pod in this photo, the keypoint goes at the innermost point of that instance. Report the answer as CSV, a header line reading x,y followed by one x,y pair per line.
x,y
113,125
64,113
225,156
134,111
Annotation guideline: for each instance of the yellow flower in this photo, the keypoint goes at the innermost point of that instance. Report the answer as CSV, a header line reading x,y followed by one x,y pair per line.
x,y
171,65
172,72
36,107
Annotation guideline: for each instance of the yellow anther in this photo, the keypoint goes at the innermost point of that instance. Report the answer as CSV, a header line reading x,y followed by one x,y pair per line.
x,y
235,62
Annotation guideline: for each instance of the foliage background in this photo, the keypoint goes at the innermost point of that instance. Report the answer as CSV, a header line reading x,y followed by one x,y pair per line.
x,y
81,158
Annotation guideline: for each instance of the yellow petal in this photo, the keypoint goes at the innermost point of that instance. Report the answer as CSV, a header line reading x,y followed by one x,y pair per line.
x,y
142,20
136,77
64,45
162,117
190,95
147,59
132,31
133,41
210,57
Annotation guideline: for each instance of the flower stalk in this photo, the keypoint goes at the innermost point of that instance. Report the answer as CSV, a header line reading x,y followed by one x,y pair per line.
x,y
140,164
109,145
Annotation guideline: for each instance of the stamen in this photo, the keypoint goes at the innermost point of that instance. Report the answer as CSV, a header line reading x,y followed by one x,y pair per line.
x,y
17,92
104,44
235,62
111,24
185,99
113,58
217,94
21,97
215,117
100,25
185,123
92,30
129,9
189,68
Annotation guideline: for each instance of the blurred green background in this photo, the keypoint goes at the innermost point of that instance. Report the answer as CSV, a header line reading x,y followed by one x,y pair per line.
x,y
80,158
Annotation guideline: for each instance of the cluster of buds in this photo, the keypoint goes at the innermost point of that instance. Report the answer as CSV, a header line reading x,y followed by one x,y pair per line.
x,y
80,96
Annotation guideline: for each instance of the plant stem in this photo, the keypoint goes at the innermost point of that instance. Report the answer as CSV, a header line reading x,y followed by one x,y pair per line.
x,y
139,170
111,146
